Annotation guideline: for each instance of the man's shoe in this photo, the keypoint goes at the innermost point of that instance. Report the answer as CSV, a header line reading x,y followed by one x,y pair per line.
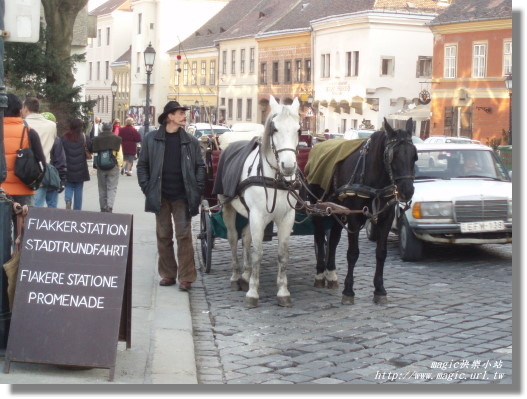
x,y
185,286
166,281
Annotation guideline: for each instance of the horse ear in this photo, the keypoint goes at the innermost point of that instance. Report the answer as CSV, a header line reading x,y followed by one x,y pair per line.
x,y
272,101
409,126
388,128
295,105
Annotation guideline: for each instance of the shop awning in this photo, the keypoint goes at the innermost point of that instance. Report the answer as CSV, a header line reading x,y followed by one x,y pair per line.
x,y
419,113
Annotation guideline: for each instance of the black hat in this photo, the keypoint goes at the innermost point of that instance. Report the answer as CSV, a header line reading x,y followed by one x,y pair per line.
x,y
169,108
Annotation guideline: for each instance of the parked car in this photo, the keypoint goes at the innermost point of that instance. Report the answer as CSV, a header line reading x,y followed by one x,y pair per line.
x,y
417,140
466,200
353,134
200,129
450,139
454,205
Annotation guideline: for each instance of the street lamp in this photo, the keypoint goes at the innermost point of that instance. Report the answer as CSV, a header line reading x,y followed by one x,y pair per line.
x,y
150,56
508,85
114,92
196,112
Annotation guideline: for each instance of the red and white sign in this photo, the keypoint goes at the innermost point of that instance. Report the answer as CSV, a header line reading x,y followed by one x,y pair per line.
x,y
309,112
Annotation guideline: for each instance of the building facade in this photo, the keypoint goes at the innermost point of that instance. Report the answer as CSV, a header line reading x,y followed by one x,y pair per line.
x,y
472,58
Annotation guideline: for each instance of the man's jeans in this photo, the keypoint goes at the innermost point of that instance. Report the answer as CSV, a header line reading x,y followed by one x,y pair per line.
x,y
51,197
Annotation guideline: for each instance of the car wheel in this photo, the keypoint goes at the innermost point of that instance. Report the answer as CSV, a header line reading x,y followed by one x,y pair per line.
x,y
371,231
410,247
431,163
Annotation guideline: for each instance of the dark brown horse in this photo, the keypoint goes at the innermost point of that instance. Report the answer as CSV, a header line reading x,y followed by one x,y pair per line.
x,y
370,182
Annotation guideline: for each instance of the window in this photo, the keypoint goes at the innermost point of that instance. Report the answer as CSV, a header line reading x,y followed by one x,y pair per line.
x,y
450,61
298,71
203,76
229,109
212,73
90,71
108,36
352,63
222,101
307,71
249,110
507,57
275,72
233,62
185,74
242,60
424,67
107,70
251,60
287,72
194,76
387,66
239,109
98,70
139,22
99,37
324,66
224,63
263,73
479,58
107,104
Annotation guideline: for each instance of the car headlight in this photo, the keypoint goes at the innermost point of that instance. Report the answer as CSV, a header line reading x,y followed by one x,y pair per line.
x,y
432,210
509,210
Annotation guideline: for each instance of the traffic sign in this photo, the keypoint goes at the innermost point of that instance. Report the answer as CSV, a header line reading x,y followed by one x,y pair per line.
x,y
309,112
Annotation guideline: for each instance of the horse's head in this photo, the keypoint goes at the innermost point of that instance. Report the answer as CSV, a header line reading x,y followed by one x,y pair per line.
x,y
399,158
281,136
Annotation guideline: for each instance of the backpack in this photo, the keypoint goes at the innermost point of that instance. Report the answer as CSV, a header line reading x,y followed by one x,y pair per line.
x,y
106,160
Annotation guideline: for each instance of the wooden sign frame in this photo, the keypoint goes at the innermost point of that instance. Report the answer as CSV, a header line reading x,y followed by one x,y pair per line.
x,y
73,299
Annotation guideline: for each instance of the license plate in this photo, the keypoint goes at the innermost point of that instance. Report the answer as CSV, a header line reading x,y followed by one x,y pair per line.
x,y
476,227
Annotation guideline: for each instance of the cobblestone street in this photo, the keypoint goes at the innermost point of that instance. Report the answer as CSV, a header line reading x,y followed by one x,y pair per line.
x,y
448,320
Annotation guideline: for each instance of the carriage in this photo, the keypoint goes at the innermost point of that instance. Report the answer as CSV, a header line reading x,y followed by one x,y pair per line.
x,y
261,193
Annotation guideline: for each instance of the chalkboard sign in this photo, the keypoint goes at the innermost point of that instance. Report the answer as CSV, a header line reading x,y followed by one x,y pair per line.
x,y
73,291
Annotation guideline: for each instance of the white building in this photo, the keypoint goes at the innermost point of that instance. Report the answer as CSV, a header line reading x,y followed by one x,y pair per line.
x,y
113,34
369,64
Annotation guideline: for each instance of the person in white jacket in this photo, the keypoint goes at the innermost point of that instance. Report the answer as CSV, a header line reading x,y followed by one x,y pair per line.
x,y
47,132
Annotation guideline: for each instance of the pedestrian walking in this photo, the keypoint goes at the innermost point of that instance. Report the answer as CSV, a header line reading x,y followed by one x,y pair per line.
x,y
116,126
14,129
50,195
75,144
107,146
171,174
47,132
130,138
96,128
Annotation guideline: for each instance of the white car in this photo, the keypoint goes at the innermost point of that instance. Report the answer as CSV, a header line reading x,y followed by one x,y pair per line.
x,y
353,134
450,139
467,199
200,129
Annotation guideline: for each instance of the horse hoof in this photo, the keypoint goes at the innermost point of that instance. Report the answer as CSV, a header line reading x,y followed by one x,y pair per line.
x,y
320,283
244,285
333,285
380,299
235,286
348,300
251,302
284,301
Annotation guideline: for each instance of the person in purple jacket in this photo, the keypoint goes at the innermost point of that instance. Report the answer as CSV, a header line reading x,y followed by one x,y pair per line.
x,y
130,138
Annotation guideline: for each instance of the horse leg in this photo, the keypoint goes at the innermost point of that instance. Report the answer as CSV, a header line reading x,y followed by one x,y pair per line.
x,y
379,295
331,268
229,218
348,295
243,281
257,226
284,227
320,251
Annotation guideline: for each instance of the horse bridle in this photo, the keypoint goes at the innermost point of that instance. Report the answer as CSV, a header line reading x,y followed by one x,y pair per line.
x,y
275,151
388,158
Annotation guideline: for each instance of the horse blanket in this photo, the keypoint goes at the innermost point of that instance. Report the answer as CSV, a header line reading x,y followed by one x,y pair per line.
x,y
231,165
324,157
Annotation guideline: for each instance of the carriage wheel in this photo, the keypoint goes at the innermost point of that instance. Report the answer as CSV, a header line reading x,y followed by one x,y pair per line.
x,y
206,236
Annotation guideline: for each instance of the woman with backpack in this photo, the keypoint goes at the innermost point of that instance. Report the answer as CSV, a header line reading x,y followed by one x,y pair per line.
x,y
108,161
76,146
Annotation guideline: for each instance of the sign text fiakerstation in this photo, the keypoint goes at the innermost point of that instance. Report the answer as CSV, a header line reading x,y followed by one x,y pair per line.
x,y
70,287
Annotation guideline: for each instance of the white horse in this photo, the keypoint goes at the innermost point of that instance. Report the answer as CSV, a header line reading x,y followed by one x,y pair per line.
x,y
262,200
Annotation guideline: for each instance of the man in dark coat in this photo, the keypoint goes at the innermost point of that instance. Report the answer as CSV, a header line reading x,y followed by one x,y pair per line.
x,y
171,173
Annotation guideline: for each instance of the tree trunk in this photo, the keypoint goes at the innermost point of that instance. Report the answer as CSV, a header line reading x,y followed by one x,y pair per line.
x,y
60,17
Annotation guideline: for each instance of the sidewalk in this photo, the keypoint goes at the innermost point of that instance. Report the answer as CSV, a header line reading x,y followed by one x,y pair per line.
x,y
162,346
